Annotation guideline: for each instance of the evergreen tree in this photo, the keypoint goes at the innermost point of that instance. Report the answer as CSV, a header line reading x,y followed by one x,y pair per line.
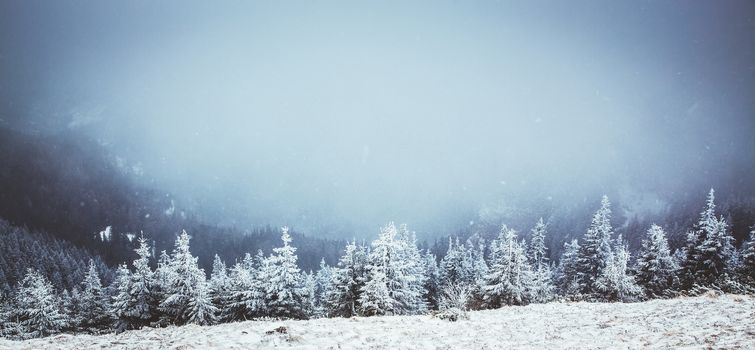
x,y
656,268
596,249
323,287
142,305
284,289
220,283
246,295
542,280
396,261
747,268
37,308
184,277
431,287
452,269
507,283
347,281
709,250
95,314
537,252
201,310
614,283
121,298
568,281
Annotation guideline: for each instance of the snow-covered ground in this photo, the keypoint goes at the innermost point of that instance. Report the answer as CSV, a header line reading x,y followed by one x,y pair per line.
x,y
702,322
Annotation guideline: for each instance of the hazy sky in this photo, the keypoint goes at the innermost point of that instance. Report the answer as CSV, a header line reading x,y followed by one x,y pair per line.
x,y
345,115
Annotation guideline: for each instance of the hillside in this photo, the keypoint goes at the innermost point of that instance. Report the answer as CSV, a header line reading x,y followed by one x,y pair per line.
x,y
708,321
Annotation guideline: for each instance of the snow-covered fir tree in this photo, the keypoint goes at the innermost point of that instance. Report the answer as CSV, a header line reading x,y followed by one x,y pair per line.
x,y
537,252
510,275
95,314
567,274
452,268
347,280
432,288
656,268
121,299
201,310
183,278
245,298
323,287
614,282
709,250
395,261
142,303
284,283
596,248
542,288
747,267
478,269
37,309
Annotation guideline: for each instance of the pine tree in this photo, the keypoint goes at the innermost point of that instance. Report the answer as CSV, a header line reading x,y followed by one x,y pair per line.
x,y
121,298
452,269
542,283
747,268
284,288
656,268
323,287
507,283
537,252
95,314
184,277
142,306
709,250
201,310
347,281
245,298
219,284
37,308
396,261
432,289
614,283
567,280
596,249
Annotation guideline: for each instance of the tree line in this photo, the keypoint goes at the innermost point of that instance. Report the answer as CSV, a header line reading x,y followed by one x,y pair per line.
x,y
390,276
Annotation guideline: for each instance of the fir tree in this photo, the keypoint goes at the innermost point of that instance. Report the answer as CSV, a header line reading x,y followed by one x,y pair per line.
x,y
284,288
347,281
568,281
323,287
596,249
709,250
120,307
245,298
142,304
95,314
183,278
395,261
201,310
432,288
507,283
747,267
37,308
614,283
656,268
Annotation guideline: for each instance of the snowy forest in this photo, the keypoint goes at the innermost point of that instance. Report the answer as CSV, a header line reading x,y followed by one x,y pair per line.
x,y
383,174
389,276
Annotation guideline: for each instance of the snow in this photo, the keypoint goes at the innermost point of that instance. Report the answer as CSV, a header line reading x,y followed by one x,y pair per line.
x,y
707,321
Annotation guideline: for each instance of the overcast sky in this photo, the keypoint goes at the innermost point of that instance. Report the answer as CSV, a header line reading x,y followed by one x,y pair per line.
x,y
345,115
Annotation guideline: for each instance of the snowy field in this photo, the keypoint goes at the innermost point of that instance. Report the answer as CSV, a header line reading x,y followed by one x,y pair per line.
x,y
726,322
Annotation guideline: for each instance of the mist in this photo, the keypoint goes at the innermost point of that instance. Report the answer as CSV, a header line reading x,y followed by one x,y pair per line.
x,y
337,117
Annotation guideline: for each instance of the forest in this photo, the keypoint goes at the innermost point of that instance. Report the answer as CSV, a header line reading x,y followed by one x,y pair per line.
x,y
390,276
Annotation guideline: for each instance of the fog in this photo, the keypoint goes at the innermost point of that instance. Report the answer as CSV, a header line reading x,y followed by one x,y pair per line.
x,y
337,117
